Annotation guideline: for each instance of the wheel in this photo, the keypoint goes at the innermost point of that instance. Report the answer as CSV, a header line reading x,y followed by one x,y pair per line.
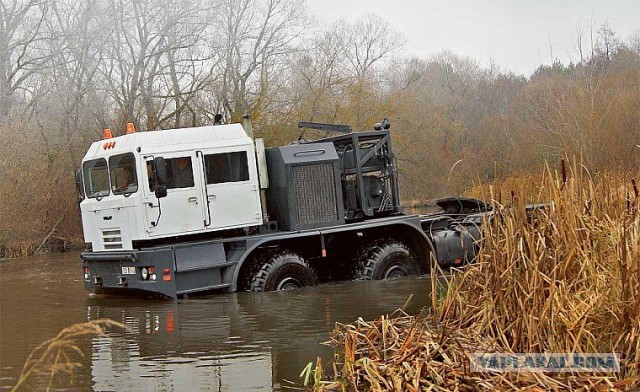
x,y
386,259
283,270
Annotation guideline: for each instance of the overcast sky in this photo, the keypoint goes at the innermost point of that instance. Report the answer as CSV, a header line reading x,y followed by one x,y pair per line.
x,y
517,34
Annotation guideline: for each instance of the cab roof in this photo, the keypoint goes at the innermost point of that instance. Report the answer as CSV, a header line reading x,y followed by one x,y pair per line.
x,y
168,140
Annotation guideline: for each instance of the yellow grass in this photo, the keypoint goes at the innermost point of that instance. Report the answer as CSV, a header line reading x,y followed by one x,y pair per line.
x,y
563,279
57,357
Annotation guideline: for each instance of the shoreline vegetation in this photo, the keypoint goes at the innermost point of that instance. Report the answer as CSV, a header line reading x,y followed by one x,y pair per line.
x,y
51,244
23,249
563,280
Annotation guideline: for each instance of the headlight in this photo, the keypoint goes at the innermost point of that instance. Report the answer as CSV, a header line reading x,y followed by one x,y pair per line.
x,y
144,273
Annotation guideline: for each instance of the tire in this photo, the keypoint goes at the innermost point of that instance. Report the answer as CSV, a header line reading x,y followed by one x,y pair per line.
x,y
386,259
282,270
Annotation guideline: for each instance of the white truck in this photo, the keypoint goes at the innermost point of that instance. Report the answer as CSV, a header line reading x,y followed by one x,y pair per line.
x,y
189,210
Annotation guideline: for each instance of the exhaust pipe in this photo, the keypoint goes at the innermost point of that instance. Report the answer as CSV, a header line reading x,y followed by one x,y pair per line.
x,y
246,124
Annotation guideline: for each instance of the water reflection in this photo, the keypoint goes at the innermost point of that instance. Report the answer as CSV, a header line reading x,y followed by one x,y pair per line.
x,y
119,365
230,342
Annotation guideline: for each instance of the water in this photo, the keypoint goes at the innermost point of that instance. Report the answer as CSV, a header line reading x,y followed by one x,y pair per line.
x,y
224,342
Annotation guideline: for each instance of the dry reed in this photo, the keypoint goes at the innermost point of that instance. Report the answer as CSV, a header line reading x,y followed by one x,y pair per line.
x,y
58,356
563,279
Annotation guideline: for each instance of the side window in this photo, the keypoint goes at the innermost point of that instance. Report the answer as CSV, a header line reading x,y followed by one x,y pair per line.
x,y
227,167
179,173
151,176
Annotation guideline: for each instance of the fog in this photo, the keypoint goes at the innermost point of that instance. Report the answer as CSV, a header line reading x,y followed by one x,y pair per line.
x,y
515,35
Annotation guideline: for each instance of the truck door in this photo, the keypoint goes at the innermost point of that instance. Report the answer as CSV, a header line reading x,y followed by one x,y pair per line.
x,y
182,210
232,188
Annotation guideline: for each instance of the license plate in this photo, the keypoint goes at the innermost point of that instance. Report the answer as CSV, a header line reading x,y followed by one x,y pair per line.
x,y
128,270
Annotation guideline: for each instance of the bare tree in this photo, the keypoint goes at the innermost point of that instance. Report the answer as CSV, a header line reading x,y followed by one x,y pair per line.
x,y
634,42
144,44
578,44
189,69
255,36
321,80
368,41
21,44
607,43
76,56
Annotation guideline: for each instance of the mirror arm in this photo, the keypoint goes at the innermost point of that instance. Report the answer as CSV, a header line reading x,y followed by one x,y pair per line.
x,y
155,224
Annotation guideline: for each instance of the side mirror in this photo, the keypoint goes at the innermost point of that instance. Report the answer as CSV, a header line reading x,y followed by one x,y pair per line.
x,y
161,191
79,185
160,175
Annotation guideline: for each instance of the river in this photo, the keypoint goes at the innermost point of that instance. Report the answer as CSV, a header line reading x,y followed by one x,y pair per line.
x,y
224,342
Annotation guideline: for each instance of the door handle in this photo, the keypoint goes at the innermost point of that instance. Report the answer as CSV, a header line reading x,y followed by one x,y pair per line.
x,y
192,199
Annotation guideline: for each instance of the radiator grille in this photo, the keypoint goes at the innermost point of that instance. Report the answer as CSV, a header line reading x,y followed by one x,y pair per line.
x,y
314,193
112,239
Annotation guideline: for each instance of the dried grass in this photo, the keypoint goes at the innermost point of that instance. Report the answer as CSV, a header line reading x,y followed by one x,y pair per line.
x,y
57,357
564,279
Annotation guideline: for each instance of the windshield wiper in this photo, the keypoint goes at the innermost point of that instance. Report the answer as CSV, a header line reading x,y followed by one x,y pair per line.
x,y
99,196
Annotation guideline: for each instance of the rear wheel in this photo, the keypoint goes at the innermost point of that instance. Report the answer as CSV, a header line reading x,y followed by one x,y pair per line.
x,y
283,270
386,259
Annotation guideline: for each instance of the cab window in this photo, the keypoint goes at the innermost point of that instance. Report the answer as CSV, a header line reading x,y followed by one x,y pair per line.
x,y
96,178
179,173
227,167
151,176
123,174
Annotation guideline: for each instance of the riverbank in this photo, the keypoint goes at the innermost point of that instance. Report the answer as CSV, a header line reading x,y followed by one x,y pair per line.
x,y
566,280
25,248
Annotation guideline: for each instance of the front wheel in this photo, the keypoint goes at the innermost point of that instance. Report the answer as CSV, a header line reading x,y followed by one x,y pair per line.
x,y
283,270
386,259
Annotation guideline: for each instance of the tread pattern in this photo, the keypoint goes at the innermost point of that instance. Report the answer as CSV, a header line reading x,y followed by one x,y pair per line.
x,y
265,266
373,253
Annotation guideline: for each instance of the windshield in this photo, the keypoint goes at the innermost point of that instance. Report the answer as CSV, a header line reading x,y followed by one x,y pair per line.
x,y
123,174
96,178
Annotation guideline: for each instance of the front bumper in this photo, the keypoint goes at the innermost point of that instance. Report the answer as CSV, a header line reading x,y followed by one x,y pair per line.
x,y
107,275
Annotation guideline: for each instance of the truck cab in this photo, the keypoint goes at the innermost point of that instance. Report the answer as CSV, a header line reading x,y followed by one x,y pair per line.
x,y
211,185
